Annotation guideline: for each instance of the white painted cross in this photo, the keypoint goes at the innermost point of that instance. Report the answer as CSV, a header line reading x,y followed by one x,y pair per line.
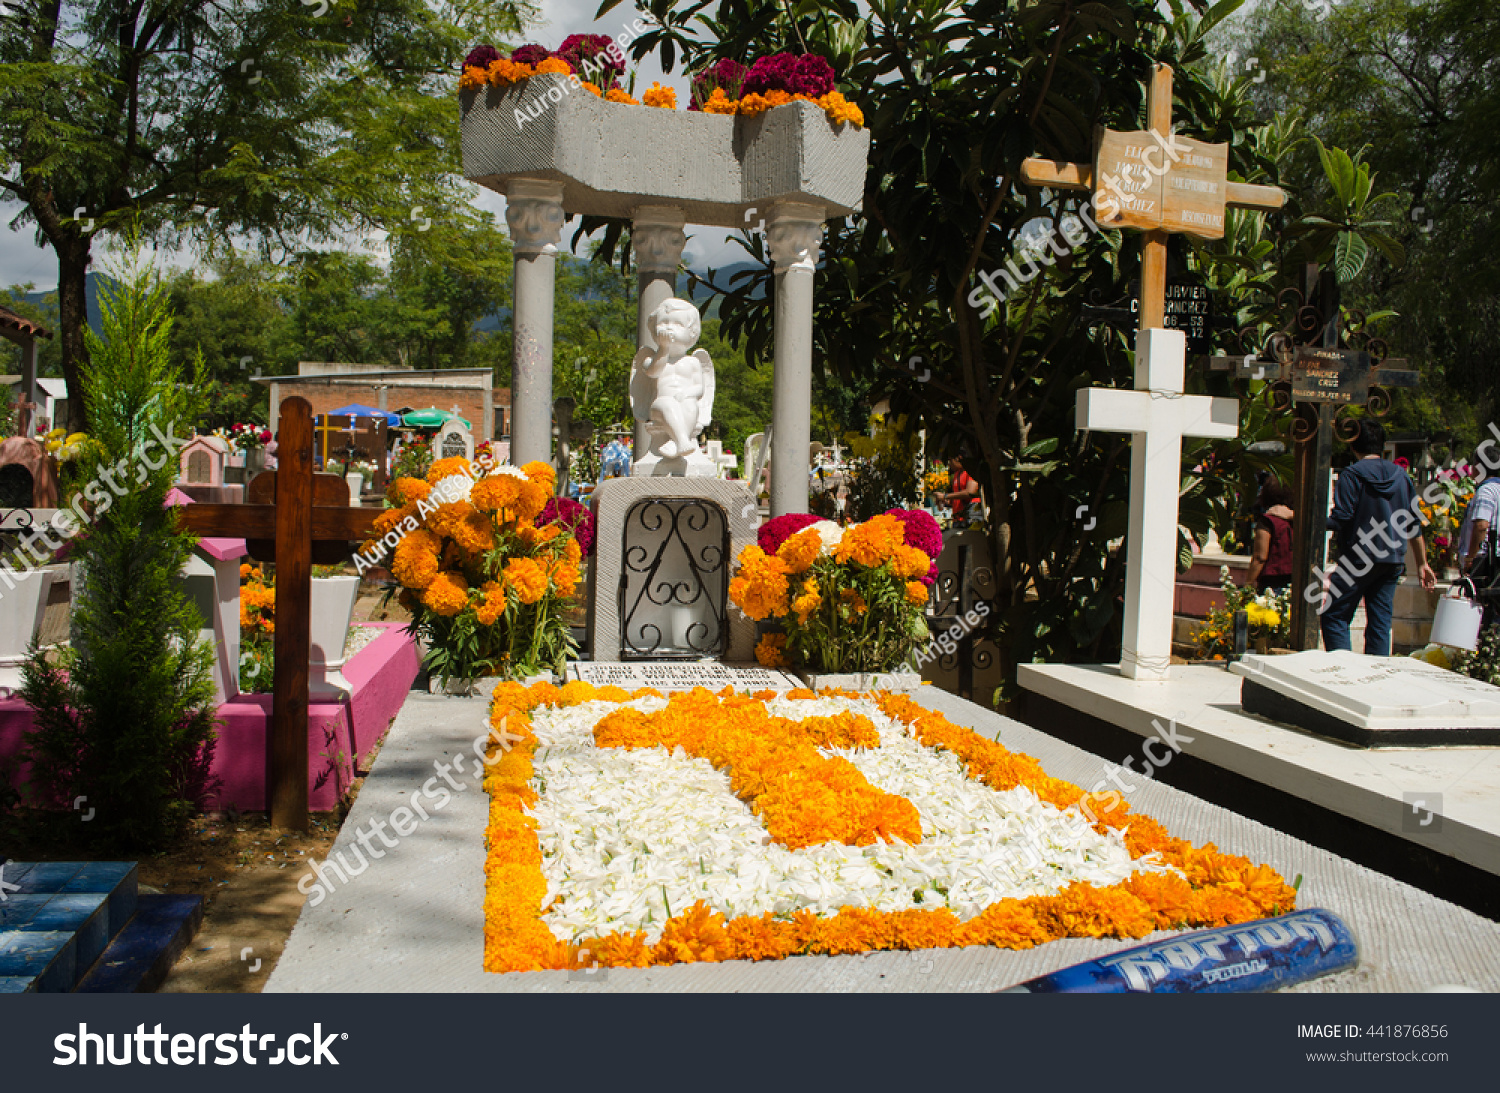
x,y
1157,415
717,457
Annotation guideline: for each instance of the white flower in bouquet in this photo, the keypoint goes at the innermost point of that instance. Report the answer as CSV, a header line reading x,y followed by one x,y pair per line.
x,y
829,533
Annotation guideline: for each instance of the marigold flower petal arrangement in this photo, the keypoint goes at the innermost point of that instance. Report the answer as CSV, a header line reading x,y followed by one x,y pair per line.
x,y
488,564
629,830
848,600
726,87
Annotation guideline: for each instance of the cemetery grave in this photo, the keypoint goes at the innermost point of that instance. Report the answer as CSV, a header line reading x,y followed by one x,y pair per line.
x,y
736,781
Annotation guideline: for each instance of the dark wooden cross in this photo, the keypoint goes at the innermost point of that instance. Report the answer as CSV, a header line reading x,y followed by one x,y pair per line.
x,y
291,517
1322,379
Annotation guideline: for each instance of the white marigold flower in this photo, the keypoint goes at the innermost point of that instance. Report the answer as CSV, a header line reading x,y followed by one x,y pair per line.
x,y
830,534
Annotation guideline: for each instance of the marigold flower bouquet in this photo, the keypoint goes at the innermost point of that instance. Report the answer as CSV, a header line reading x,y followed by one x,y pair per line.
x,y
486,577
848,599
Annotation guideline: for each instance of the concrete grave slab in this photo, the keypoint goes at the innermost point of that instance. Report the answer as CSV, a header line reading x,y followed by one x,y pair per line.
x,y
1371,701
413,921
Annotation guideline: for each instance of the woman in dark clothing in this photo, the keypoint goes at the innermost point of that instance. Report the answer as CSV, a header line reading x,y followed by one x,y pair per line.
x,y
1271,553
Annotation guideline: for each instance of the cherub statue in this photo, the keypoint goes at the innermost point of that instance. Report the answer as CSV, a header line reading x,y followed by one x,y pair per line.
x,y
672,390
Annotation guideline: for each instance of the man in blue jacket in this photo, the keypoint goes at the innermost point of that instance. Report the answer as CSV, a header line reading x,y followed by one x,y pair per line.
x,y
1374,517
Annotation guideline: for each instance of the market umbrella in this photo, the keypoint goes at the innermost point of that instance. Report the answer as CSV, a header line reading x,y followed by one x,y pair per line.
x,y
431,419
355,409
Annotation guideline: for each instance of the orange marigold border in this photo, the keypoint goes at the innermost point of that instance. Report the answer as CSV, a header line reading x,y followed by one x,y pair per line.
x,y
1214,889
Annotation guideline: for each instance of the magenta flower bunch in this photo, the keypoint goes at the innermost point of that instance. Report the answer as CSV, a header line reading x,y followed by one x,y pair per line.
x,y
593,53
920,530
531,55
481,57
779,529
796,74
576,518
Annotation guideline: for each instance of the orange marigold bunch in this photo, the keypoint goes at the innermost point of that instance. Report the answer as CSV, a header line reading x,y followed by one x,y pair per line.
x,y
554,66
615,94
502,72
760,588
770,651
663,97
416,561
447,594
446,468
495,493
720,103
841,110
801,551
527,577
472,77
872,543
407,491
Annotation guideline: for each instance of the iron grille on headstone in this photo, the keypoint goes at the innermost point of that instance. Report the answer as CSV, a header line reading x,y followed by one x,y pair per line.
x,y
674,580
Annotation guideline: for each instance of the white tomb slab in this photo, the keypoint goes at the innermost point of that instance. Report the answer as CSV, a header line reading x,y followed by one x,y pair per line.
x,y
1371,701
677,676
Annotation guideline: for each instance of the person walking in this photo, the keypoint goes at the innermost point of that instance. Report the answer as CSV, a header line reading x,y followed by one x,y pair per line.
x,y
1372,541
1271,550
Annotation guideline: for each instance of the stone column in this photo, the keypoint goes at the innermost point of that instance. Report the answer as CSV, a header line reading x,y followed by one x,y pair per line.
x,y
795,233
534,213
657,238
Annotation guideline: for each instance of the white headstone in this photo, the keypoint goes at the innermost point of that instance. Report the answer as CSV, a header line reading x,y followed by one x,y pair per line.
x,y
453,439
1371,701
1157,415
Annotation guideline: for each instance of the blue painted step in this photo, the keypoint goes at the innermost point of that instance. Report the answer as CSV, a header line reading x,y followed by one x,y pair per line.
x,y
58,917
142,954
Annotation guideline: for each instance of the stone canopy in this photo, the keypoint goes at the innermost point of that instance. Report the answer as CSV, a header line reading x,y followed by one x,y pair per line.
x,y
611,159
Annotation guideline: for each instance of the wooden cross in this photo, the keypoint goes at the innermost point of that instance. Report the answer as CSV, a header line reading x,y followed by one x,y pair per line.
x,y
1157,183
291,517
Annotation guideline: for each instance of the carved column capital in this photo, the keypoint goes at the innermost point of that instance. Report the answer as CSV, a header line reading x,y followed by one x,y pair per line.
x,y
657,238
795,235
534,213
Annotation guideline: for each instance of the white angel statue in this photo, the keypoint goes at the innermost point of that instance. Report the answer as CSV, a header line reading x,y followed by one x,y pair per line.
x,y
672,390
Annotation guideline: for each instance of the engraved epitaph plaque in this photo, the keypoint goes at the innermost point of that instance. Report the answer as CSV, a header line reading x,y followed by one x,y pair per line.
x,y
1193,194
1339,376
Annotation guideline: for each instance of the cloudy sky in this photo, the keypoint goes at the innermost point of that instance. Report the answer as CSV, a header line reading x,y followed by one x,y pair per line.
x,y
22,262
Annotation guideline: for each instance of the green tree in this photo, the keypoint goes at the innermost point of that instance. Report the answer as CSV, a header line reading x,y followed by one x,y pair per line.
x,y
202,122
127,717
237,320
1413,83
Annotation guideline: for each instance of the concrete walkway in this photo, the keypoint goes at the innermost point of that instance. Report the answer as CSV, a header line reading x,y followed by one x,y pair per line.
x,y
413,920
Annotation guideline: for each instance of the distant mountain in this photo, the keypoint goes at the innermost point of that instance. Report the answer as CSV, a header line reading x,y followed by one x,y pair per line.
x,y
90,296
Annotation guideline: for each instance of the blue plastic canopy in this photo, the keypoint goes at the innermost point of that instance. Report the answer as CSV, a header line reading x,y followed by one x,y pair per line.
x,y
354,409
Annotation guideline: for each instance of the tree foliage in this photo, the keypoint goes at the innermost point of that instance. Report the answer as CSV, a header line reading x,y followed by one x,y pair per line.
x,y
202,122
